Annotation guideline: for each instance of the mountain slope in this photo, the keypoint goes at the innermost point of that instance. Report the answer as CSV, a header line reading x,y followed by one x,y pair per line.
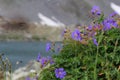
x,y
65,11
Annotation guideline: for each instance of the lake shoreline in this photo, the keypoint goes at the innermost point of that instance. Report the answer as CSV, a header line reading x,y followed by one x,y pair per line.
x,y
24,51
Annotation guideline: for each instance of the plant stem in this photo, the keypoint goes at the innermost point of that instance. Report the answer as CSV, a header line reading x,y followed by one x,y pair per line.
x,y
96,58
95,69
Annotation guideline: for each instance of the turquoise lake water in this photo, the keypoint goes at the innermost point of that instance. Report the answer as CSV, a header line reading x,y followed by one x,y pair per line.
x,y
23,51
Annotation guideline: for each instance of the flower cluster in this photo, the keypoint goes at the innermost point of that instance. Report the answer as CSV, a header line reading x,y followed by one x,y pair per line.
x,y
53,47
109,23
44,60
100,24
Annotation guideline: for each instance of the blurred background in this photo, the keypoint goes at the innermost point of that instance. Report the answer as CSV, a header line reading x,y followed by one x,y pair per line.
x,y
26,25
66,11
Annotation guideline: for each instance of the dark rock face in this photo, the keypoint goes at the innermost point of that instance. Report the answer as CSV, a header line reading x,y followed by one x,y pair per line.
x,y
66,11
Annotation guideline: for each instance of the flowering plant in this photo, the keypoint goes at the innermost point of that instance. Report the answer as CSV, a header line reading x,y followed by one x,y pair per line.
x,y
92,53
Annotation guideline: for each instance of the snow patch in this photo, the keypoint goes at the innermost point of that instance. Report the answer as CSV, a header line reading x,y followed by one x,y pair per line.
x,y
115,7
47,21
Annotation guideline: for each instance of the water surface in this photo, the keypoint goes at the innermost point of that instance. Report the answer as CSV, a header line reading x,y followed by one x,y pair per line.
x,y
25,51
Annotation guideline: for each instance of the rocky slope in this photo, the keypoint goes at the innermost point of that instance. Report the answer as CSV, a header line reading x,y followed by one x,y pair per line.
x,y
64,11
47,12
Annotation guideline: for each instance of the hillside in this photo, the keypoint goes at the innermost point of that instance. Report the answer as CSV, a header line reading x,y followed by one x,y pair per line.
x,y
66,11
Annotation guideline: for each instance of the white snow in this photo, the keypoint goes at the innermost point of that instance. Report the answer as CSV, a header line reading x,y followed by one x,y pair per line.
x,y
47,21
115,7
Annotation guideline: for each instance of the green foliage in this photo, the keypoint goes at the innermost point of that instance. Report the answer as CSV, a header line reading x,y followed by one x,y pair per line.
x,y
83,62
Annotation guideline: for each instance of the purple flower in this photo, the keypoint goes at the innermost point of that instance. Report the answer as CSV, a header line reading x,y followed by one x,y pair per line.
x,y
76,35
95,10
48,47
38,57
90,27
113,14
60,73
44,61
109,23
115,24
95,41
